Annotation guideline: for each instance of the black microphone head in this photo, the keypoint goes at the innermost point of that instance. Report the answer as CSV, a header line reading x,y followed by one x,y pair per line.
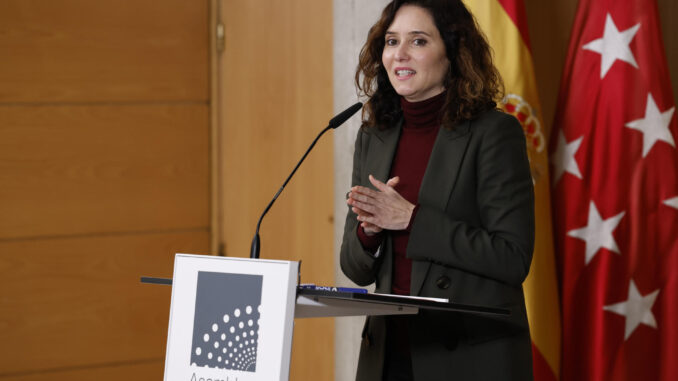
x,y
344,115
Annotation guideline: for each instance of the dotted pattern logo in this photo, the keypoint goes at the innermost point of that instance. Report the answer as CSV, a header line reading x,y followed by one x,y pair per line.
x,y
226,325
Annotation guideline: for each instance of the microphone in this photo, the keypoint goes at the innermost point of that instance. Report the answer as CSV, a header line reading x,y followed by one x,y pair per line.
x,y
342,117
334,123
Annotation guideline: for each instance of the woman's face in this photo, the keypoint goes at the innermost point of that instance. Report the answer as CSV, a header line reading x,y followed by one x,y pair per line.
x,y
414,54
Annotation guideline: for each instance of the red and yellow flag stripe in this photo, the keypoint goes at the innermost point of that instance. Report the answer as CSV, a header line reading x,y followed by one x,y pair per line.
x,y
505,24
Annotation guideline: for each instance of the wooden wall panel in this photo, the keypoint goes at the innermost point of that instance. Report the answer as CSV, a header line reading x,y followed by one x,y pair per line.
x,y
86,169
277,98
276,76
82,50
104,175
143,370
78,301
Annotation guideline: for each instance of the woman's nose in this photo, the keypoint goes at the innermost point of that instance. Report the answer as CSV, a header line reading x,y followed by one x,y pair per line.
x,y
401,53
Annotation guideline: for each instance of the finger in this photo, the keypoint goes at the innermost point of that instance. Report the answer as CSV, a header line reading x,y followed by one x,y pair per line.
x,y
360,212
369,208
364,191
353,201
370,220
378,184
370,199
370,228
393,181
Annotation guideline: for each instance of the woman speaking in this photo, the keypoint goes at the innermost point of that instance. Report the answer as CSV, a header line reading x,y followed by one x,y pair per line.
x,y
441,203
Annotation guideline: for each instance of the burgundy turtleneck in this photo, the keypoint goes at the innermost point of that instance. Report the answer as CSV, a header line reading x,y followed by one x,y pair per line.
x,y
420,128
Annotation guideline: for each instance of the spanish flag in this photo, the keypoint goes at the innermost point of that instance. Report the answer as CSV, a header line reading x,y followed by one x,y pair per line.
x,y
505,24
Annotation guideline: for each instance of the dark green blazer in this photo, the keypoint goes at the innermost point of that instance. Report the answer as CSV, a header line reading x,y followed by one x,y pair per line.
x,y
471,242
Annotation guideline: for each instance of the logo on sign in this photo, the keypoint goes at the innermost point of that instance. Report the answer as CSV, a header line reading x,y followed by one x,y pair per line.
x,y
226,324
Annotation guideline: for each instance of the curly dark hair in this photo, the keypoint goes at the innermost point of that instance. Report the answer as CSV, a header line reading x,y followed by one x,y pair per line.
x,y
473,83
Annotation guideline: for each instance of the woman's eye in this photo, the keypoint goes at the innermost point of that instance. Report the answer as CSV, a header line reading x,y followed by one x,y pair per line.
x,y
419,42
391,42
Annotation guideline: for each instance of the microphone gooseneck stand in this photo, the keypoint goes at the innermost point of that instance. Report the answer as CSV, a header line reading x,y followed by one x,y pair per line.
x,y
334,123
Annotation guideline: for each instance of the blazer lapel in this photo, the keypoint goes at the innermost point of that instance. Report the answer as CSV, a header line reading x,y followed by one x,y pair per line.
x,y
380,154
438,182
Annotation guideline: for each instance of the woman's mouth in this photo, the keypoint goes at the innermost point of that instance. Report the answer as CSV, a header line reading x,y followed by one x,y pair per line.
x,y
404,73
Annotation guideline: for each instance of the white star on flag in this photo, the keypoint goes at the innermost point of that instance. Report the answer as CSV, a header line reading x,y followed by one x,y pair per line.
x,y
655,125
637,309
598,233
672,202
563,157
614,45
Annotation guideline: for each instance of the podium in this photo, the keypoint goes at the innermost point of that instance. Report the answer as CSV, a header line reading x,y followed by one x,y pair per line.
x,y
232,319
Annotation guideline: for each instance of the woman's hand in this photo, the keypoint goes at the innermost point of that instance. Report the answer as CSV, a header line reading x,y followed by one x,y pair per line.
x,y
381,209
368,228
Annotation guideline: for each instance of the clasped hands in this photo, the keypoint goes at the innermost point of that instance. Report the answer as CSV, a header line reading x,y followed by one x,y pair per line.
x,y
380,209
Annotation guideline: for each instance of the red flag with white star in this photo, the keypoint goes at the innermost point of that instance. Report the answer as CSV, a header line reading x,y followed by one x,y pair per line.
x,y
615,197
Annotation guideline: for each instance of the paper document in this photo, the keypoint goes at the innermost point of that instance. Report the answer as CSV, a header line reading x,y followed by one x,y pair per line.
x,y
441,300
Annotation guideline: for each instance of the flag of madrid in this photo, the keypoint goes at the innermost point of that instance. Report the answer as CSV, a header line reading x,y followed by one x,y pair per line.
x,y
615,197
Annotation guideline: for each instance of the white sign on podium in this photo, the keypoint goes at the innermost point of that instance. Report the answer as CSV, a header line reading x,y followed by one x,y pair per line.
x,y
231,319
